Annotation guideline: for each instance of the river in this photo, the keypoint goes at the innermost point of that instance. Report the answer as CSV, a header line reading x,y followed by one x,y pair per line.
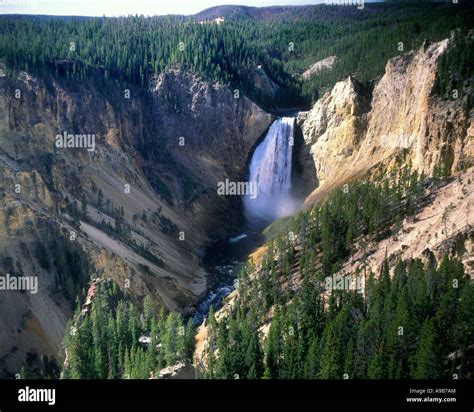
x,y
222,260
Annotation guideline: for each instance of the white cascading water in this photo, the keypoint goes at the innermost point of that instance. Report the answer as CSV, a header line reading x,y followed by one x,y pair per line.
x,y
270,172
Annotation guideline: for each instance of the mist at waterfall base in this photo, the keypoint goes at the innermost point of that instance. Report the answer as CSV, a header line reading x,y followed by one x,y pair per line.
x,y
270,172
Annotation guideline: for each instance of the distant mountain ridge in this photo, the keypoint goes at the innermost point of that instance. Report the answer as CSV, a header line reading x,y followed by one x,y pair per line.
x,y
271,13
246,12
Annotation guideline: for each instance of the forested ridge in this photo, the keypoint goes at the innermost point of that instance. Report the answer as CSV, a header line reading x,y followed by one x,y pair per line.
x,y
412,319
116,339
416,324
455,73
136,48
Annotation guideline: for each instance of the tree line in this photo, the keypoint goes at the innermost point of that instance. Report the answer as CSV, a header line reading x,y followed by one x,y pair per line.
x,y
136,48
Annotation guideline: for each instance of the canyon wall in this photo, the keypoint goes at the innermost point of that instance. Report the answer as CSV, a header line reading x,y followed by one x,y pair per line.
x,y
353,129
139,208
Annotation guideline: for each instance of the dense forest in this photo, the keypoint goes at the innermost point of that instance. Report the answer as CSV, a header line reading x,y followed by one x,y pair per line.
x,y
113,338
284,44
455,74
415,323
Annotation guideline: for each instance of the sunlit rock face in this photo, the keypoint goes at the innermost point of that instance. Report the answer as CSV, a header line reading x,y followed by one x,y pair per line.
x,y
354,129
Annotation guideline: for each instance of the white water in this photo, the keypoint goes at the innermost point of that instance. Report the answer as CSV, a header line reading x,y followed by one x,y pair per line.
x,y
270,170
238,238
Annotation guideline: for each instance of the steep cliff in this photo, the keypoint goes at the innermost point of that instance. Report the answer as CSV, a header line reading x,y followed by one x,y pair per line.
x,y
352,130
137,206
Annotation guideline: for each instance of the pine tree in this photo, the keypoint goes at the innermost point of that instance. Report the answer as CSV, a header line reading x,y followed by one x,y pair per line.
x,y
169,341
376,368
273,347
427,364
464,328
311,366
254,358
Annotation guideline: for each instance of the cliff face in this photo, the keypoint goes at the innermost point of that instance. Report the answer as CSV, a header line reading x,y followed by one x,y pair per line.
x,y
210,130
352,130
334,128
119,210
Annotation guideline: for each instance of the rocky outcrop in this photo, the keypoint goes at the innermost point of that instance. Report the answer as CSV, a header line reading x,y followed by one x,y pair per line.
x,y
352,130
138,208
180,370
334,128
266,86
317,67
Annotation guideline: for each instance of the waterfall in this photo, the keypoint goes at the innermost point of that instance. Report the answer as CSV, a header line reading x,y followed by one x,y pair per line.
x,y
270,172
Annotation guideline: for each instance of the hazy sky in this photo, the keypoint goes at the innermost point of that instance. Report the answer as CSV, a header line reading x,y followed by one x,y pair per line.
x,y
125,7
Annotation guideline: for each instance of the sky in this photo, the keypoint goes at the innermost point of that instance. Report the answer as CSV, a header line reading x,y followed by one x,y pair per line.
x,y
126,7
